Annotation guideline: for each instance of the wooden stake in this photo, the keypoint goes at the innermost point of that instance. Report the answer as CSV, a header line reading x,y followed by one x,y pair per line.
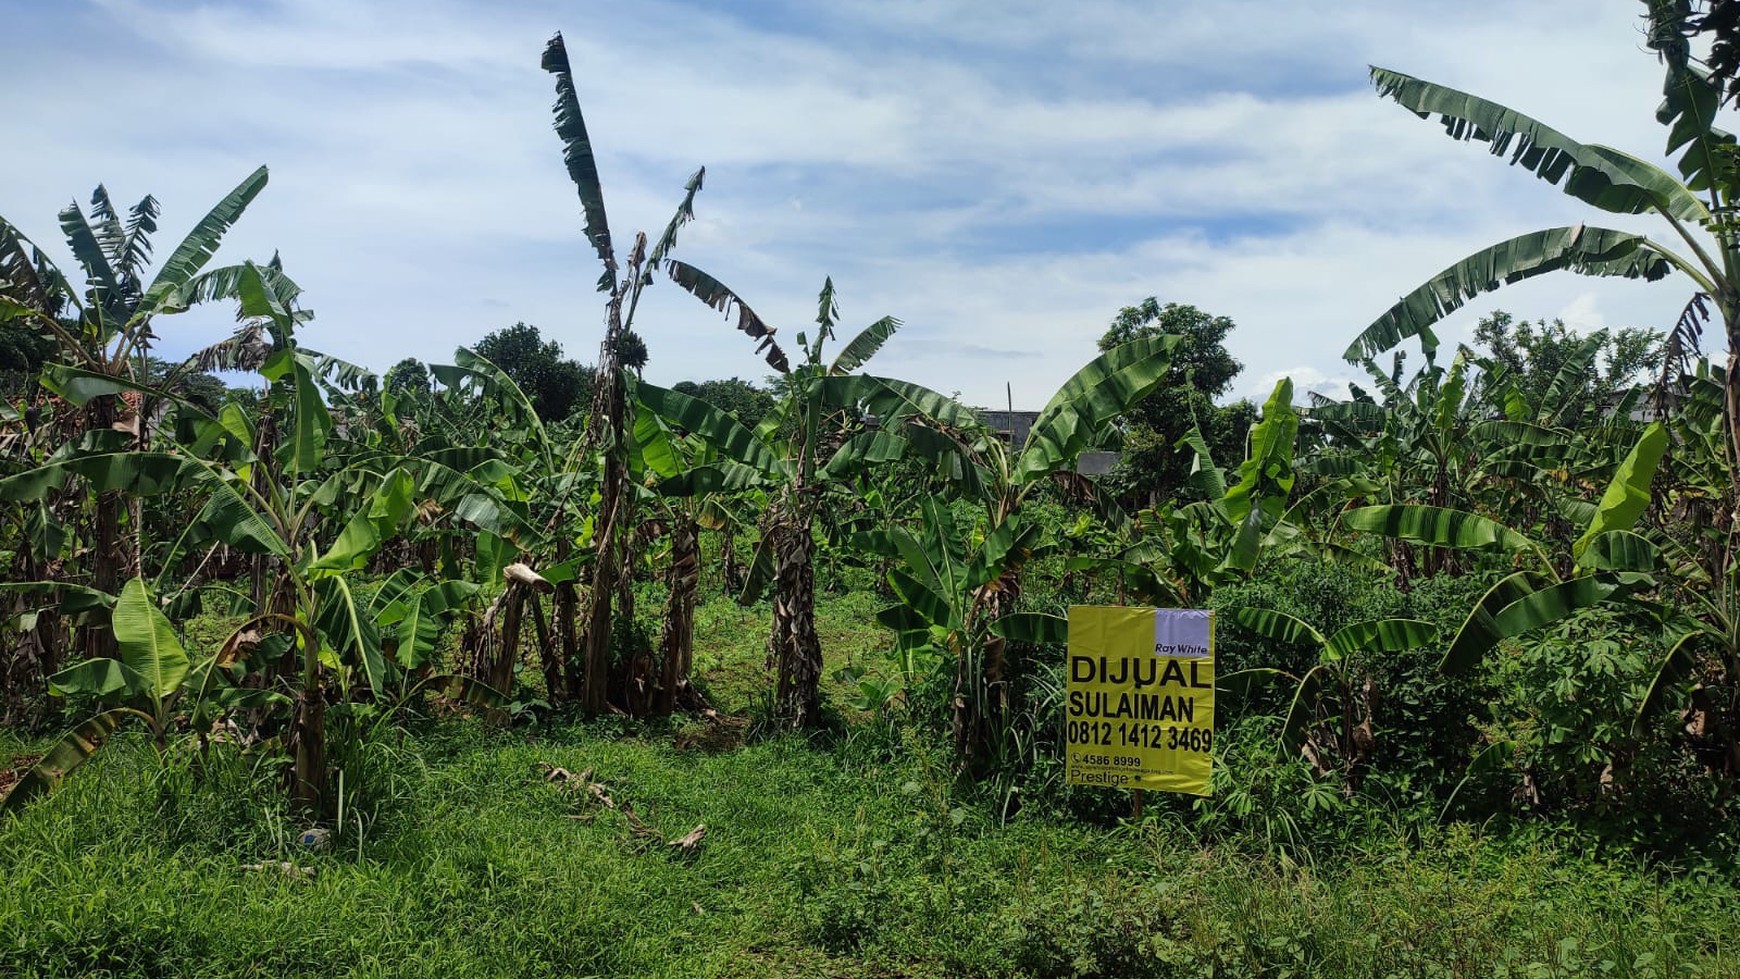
x,y
1136,805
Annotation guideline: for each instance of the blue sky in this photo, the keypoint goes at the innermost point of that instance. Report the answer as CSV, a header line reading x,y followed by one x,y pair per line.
x,y
1002,177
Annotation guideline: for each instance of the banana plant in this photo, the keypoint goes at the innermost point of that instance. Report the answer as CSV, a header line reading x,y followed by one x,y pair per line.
x,y
950,580
1434,440
151,667
1608,561
999,479
815,437
1179,554
1693,206
542,479
106,329
1700,607
608,423
1417,439
320,523
150,677
1327,689
663,455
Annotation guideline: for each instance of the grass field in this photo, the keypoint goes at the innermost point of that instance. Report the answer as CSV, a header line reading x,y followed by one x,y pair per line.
x,y
461,858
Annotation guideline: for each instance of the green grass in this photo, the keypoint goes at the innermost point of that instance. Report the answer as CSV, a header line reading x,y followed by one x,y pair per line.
x,y
731,645
817,862
848,858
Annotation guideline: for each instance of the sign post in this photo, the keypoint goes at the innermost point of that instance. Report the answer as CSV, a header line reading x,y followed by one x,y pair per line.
x,y
1141,699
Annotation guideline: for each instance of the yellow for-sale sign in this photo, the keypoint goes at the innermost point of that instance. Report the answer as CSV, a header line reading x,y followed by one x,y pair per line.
x,y
1141,698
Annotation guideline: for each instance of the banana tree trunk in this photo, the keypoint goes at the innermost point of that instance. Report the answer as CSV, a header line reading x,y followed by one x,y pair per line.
x,y
108,556
260,566
793,647
606,429
308,734
676,646
982,689
548,656
25,668
567,604
501,668
608,531
633,681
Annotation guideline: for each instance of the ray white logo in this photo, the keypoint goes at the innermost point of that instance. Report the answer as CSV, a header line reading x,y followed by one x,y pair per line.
x,y
1181,632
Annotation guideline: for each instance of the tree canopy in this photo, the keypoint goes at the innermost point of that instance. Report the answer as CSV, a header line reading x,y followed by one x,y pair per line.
x,y
556,385
1609,361
1202,370
750,404
408,375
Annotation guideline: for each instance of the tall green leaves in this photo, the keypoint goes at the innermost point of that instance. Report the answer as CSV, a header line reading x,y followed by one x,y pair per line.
x,y
1081,410
417,616
151,664
304,450
1435,526
105,287
1205,476
233,518
864,346
577,154
730,437
147,641
202,242
141,473
377,518
1600,176
1580,249
1689,103
1380,635
1606,178
1627,496
1519,603
1259,499
1330,671
68,753
1279,626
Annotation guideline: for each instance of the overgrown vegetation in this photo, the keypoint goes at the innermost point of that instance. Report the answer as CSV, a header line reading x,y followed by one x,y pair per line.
x,y
467,859
515,665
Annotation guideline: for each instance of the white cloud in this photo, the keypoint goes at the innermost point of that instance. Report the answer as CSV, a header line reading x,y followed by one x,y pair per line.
x,y
1583,314
1306,379
1004,184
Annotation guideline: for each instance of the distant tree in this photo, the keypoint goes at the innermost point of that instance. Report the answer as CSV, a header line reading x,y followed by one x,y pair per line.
x,y
204,390
198,387
556,385
583,378
742,399
408,375
1535,353
242,395
22,354
1201,371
